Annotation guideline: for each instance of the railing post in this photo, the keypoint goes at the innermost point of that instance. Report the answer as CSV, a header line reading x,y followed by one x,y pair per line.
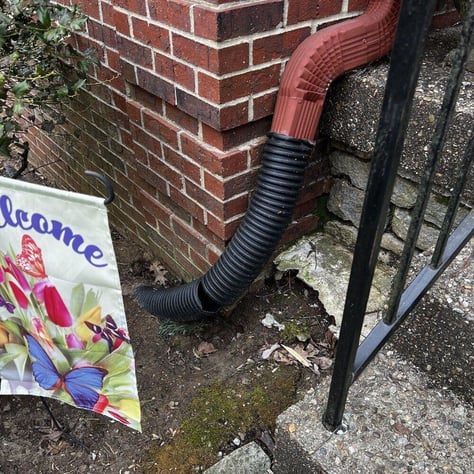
x,y
412,30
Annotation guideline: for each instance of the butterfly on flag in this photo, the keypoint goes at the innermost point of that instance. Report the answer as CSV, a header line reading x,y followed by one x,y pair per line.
x,y
10,307
81,383
111,333
30,259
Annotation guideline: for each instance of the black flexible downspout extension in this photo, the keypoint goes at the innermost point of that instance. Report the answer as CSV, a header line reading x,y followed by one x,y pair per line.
x,y
270,212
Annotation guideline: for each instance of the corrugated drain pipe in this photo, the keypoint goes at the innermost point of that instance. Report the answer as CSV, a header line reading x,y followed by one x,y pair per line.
x,y
316,62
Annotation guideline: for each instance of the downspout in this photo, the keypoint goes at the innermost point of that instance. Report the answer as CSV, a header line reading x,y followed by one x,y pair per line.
x,y
316,62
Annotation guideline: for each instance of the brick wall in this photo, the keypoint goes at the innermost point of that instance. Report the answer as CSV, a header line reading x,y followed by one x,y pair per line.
x,y
176,115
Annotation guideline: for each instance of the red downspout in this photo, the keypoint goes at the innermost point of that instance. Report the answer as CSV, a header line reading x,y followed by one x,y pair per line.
x,y
323,57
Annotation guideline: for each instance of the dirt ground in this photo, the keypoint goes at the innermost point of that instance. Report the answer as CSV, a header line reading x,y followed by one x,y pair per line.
x,y
202,394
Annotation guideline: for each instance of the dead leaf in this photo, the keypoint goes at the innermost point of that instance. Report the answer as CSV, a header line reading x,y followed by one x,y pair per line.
x,y
330,340
159,273
204,349
299,357
283,358
323,362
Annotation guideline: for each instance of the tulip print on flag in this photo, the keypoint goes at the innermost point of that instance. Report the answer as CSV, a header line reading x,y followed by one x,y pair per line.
x,y
63,332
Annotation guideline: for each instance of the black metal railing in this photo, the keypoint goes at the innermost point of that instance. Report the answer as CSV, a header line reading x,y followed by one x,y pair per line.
x,y
352,358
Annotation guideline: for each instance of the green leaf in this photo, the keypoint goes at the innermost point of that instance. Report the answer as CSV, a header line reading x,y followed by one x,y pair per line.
x,y
5,359
77,300
5,143
20,89
44,18
18,107
13,328
62,91
77,85
20,356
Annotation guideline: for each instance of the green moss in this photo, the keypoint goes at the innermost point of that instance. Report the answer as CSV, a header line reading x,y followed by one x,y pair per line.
x,y
322,211
295,330
219,413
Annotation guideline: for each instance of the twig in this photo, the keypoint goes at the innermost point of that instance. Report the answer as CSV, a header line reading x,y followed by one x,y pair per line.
x,y
70,437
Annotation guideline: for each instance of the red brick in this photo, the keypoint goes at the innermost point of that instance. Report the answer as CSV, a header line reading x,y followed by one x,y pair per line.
x,y
102,33
129,72
220,2
155,85
227,189
229,59
164,66
178,14
299,228
223,164
357,5
278,46
134,111
165,172
182,119
198,108
154,207
225,140
213,254
140,154
217,227
149,100
189,235
240,184
171,12
190,51
150,34
158,10
214,185
145,140
303,10
183,202
208,234
121,22
113,59
264,105
91,9
211,87
152,177
108,13
135,52
177,161
134,6
203,198
236,207
235,21
199,259
160,128
233,115
184,75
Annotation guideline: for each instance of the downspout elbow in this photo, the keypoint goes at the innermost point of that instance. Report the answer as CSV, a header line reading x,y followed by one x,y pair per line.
x,y
323,57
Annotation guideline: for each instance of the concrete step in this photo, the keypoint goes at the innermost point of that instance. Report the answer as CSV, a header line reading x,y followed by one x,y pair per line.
x,y
411,410
396,423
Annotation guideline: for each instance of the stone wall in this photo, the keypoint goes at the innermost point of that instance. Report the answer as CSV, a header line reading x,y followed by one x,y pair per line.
x,y
351,123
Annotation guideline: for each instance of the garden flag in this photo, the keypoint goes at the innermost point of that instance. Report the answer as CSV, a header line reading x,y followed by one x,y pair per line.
x,y
63,332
